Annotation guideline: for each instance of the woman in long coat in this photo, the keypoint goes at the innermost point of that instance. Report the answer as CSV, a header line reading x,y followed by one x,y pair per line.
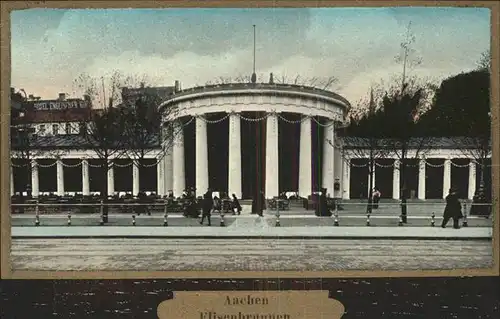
x,y
452,209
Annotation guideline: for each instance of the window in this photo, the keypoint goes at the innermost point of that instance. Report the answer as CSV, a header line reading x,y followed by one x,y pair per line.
x,y
55,129
68,128
41,129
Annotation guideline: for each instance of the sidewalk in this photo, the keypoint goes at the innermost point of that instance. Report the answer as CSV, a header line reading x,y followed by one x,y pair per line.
x,y
256,230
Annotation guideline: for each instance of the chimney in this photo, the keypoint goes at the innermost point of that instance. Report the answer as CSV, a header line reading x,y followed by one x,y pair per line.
x,y
271,80
31,97
62,96
177,86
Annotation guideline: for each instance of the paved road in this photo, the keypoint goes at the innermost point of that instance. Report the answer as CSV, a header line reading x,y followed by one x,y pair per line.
x,y
285,220
243,254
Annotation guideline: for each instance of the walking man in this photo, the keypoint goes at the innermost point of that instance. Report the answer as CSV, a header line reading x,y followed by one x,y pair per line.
x,y
452,209
207,205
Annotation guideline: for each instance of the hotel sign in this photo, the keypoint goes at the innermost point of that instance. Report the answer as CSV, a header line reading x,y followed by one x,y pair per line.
x,y
60,105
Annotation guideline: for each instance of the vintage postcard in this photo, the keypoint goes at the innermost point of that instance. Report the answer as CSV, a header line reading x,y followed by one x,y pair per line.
x,y
226,159
169,141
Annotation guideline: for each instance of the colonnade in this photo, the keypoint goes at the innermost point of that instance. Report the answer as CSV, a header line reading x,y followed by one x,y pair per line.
x,y
171,167
422,166
234,160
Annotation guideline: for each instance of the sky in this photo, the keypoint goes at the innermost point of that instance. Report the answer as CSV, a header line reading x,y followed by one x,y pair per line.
x,y
52,47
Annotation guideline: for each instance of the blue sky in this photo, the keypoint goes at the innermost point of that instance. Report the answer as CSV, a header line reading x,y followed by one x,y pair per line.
x,y
52,47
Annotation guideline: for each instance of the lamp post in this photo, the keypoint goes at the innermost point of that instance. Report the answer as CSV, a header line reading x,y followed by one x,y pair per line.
x,y
482,208
23,134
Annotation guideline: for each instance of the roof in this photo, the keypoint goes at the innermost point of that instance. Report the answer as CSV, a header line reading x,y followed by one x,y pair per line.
x,y
428,142
65,115
68,142
78,141
242,86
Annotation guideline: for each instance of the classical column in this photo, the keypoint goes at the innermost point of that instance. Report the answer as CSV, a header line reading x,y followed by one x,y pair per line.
x,y
446,177
374,177
179,182
12,191
272,161
472,179
35,186
160,177
338,171
329,159
135,178
396,180
234,175
421,178
60,177
201,166
346,179
85,178
111,180
305,158
168,170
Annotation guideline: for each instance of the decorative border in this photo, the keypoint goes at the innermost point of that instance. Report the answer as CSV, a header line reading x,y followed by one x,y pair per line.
x,y
6,271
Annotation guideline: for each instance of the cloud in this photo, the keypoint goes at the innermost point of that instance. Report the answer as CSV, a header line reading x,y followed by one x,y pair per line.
x,y
51,48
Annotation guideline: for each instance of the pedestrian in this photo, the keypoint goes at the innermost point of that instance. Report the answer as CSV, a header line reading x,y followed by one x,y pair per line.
x,y
322,205
236,205
217,204
258,204
452,209
376,197
207,205
141,201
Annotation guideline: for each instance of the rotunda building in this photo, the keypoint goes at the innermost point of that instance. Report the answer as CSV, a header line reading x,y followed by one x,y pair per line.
x,y
250,137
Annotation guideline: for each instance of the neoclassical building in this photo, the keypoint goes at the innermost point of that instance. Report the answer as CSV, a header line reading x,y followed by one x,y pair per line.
x,y
244,138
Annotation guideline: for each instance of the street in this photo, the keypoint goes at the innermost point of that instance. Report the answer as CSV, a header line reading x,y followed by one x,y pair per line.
x,y
99,254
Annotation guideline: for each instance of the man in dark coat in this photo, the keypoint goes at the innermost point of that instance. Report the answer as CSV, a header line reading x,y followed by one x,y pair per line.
x,y
236,207
322,205
258,204
207,206
452,209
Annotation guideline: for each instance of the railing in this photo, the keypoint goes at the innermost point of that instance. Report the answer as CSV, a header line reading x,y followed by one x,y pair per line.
x,y
158,210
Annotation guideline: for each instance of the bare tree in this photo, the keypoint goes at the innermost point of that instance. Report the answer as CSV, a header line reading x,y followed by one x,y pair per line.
x,y
363,139
103,131
324,83
145,132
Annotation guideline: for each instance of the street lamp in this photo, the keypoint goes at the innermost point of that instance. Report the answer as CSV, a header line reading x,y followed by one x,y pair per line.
x,y
24,135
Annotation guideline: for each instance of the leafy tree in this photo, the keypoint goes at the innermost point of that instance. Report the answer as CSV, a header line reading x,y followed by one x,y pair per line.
x,y
406,140
461,110
324,83
484,62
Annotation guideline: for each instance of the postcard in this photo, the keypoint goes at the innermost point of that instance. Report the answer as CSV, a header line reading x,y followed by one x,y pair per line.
x,y
230,158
